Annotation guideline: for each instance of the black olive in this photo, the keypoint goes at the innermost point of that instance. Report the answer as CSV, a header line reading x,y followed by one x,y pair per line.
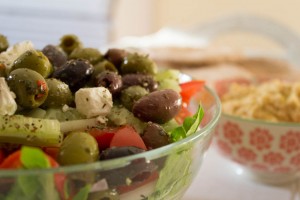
x,y
110,80
75,73
143,80
136,171
116,152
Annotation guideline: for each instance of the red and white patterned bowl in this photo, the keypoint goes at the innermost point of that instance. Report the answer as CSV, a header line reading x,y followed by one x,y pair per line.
x,y
269,151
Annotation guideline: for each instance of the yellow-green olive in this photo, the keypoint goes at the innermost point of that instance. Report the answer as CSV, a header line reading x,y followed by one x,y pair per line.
x,y
102,66
77,148
131,94
34,60
69,42
137,63
91,54
59,94
29,86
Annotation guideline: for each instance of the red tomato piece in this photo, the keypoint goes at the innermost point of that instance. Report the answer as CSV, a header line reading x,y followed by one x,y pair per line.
x,y
12,161
127,136
188,89
51,151
103,137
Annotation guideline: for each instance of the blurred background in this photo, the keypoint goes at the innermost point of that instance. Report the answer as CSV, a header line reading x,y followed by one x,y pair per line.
x,y
98,22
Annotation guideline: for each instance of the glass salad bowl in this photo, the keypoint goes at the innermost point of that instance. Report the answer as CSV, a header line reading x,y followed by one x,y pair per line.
x,y
77,123
162,173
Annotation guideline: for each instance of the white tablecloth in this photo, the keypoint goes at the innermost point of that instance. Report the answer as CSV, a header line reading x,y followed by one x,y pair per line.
x,y
221,179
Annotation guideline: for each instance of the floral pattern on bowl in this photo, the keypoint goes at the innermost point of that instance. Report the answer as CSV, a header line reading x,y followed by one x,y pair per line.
x,y
269,151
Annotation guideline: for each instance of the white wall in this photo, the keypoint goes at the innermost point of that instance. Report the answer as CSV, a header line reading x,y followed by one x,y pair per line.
x,y
138,17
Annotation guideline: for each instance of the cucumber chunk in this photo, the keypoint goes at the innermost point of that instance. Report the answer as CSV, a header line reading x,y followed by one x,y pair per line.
x,y
30,131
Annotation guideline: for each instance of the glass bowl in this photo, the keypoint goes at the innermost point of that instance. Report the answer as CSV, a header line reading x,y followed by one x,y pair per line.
x,y
267,151
163,173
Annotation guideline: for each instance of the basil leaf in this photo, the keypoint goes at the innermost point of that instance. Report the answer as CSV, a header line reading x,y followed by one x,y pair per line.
x,y
190,125
33,158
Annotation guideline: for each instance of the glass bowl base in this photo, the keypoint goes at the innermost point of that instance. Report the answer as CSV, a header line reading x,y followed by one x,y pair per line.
x,y
267,177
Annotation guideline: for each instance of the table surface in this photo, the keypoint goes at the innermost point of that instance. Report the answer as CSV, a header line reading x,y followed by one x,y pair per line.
x,y
221,179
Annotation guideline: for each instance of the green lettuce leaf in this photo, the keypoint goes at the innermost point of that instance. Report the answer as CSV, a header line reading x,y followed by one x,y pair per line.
x,y
176,174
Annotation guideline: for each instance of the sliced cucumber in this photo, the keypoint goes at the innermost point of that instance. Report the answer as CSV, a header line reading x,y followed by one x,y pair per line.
x,y
30,131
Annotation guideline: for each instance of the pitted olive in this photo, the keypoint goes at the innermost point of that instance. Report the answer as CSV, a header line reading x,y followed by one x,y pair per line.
x,y
69,42
109,80
29,86
159,106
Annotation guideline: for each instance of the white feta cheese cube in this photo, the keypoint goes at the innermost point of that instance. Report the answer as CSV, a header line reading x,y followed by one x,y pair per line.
x,y
8,105
93,102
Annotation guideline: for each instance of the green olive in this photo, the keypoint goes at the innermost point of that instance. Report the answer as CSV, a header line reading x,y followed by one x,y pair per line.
x,y
137,63
59,94
29,86
69,42
3,43
131,94
103,66
34,60
91,54
77,148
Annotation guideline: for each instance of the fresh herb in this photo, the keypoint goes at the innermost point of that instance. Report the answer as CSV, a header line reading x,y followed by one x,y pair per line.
x,y
33,158
190,125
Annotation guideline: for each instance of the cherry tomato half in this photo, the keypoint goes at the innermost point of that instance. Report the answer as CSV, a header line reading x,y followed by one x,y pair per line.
x,y
103,137
127,136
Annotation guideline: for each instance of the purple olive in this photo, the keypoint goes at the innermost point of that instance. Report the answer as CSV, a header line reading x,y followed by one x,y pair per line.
x,y
159,106
154,136
110,80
